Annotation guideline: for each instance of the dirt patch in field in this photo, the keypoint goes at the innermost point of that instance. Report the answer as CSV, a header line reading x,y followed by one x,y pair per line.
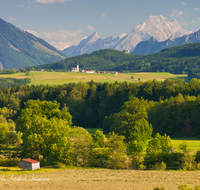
x,y
86,179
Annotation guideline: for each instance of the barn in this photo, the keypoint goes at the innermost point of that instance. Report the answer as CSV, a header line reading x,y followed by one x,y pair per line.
x,y
29,164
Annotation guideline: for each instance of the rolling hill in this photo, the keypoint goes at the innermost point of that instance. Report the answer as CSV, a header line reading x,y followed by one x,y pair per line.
x,y
177,60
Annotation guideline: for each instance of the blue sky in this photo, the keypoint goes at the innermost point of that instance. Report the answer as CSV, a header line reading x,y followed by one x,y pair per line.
x,y
63,23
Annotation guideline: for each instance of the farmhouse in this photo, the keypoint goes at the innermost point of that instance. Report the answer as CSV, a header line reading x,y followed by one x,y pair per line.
x,y
29,164
88,71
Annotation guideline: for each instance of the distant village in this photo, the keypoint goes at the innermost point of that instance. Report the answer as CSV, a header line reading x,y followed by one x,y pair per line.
x,y
77,70
74,69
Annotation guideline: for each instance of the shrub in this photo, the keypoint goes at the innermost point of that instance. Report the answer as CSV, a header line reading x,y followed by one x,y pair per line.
x,y
99,157
98,139
184,187
9,162
159,188
160,166
174,159
197,156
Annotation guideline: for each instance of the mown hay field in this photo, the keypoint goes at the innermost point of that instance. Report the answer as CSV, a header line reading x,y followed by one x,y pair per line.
x,y
55,78
99,179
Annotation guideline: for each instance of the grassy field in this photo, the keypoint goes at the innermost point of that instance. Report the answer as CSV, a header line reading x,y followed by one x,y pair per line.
x,y
54,78
97,179
192,144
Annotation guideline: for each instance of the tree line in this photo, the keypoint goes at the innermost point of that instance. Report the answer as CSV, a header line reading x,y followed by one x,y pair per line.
x,y
90,104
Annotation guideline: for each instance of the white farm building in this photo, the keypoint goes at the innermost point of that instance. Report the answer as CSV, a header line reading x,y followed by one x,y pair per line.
x,y
29,164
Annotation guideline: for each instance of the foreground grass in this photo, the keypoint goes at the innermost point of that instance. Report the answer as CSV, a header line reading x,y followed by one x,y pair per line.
x,y
58,78
100,179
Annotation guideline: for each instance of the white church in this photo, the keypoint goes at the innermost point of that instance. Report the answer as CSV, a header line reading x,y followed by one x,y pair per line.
x,y
75,69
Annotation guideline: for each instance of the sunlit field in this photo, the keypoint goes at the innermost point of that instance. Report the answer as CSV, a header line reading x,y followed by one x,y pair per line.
x,y
54,78
98,179
192,144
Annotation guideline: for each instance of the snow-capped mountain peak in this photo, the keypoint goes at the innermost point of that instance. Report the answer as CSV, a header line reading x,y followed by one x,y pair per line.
x,y
157,27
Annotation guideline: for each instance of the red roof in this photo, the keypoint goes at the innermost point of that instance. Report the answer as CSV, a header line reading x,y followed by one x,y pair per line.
x,y
30,160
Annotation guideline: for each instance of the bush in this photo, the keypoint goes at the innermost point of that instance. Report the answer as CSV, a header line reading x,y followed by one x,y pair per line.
x,y
99,157
160,166
184,187
159,188
9,162
98,139
188,162
174,159
197,156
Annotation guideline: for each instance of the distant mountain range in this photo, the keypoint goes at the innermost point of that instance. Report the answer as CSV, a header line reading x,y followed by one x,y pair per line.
x,y
154,46
157,27
19,48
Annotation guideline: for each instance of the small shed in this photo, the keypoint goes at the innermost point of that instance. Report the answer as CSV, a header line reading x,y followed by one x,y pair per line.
x,y
29,164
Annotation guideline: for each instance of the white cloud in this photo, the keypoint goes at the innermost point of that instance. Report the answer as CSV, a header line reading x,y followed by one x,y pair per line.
x,y
176,13
103,15
90,27
194,22
51,1
61,39
63,45
183,3
11,18
63,34
196,9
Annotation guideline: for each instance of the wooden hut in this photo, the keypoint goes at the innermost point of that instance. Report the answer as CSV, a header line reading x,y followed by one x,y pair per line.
x,y
29,164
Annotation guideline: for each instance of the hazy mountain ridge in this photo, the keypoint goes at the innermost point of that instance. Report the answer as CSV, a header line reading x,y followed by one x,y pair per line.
x,y
156,26
19,48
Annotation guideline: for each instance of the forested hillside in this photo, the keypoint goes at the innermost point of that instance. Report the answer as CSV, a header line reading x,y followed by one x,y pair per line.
x,y
19,49
179,59
107,59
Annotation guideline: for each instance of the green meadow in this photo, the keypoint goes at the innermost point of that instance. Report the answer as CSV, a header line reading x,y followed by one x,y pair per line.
x,y
193,144
59,78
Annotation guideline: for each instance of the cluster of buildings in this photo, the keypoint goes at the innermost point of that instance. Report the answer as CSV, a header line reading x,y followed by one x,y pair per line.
x,y
76,70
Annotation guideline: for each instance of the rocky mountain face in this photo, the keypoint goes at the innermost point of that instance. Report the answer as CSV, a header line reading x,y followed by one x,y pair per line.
x,y
156,26
154,46
19,48
91,44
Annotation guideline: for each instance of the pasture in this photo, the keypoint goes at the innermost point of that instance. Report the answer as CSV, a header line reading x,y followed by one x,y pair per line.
x,y
192,144
59,78
99,179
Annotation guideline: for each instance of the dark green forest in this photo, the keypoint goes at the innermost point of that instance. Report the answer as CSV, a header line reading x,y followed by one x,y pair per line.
x,y
177,60
172,105
10,82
